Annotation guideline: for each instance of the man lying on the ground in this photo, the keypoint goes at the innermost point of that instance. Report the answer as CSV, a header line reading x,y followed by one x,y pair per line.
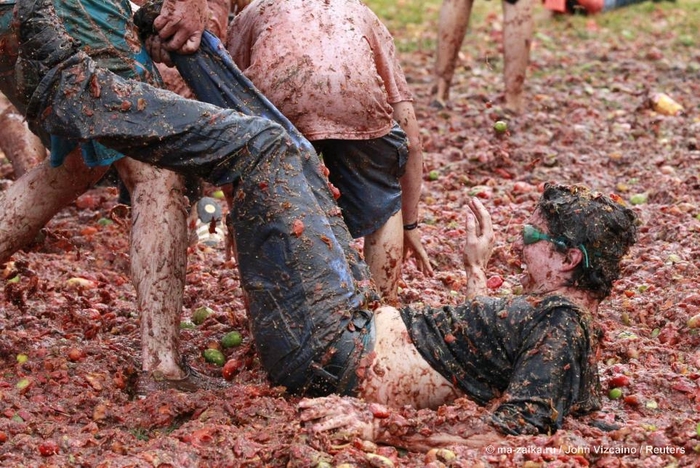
x,y
311,318
532,357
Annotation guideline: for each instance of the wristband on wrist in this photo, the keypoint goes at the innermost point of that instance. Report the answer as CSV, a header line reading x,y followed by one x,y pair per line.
x,y
410,227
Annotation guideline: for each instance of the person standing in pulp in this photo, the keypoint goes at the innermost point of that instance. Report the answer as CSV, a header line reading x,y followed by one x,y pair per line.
x,y
340,83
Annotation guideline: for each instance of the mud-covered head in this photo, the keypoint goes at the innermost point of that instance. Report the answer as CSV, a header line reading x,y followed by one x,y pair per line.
x,y
603,229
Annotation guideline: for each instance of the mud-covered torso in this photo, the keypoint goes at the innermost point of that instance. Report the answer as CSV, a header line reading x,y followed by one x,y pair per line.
x,y
535,354
329,66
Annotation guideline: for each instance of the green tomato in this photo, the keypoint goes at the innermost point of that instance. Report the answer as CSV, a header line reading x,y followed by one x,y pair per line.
x,y
201,314
615,394
639,198
433,175
214,356
500,126
104,222
22,384
231,339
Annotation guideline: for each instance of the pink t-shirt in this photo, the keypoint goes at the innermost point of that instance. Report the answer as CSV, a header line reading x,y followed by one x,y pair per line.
x,y
329,66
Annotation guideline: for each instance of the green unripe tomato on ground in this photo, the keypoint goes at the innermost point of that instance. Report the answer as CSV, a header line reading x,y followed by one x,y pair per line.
x,y
639,198
231,339
214,356
201,314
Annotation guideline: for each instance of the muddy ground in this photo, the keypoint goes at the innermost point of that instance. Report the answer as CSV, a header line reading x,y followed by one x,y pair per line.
x,y
68,354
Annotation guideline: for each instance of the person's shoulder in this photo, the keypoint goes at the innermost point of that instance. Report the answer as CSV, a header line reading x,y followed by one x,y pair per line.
x,y
561,304
560,311
257,10
546,303
543,308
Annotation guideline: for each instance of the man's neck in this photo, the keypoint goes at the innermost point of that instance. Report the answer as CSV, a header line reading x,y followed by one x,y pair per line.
x,y
580,298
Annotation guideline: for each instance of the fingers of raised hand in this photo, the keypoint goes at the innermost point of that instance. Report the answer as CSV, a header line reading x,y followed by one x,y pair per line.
x,y
483,217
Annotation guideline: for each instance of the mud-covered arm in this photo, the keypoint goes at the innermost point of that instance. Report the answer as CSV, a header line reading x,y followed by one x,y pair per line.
x,y
547,377
341,419
411,183
478,247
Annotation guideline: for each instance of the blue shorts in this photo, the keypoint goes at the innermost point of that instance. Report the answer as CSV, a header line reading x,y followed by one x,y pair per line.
x,y
367,172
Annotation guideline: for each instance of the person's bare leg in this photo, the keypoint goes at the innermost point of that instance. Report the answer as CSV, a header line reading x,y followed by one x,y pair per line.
x,y
158,262
29,203
22,148
398,375
384,254
452,26
517,38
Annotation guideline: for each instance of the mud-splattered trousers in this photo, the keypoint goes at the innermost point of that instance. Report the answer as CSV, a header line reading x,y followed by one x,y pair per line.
x,y
303,281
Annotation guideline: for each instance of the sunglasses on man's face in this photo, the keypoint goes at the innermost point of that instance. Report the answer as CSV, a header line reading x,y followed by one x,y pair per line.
x,y
532,235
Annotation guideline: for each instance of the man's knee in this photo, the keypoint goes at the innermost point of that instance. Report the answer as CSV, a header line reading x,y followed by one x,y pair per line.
x,y
269,136
135,173
336,368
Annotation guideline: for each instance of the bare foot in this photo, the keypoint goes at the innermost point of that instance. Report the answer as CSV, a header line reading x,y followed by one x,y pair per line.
x,y
190,381
514,103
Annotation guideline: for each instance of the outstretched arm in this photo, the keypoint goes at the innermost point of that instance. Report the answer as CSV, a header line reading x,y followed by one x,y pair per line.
x,y
341,419
477,248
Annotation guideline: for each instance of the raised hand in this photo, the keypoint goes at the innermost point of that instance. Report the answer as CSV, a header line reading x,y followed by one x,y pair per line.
x,y
478,247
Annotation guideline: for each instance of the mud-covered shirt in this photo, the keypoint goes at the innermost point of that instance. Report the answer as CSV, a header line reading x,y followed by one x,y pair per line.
x,y
330,66
534,355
